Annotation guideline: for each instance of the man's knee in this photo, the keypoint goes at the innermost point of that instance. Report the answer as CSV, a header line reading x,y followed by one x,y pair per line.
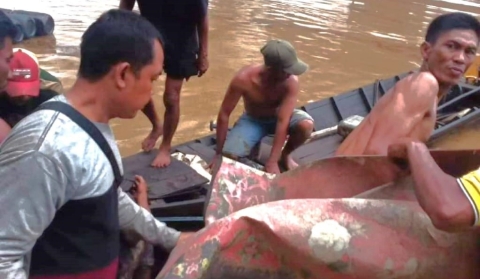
x,y
236,147
171,96
304,128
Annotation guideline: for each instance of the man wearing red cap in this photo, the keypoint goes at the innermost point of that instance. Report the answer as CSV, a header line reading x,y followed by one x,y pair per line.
x,y
269,93
24,90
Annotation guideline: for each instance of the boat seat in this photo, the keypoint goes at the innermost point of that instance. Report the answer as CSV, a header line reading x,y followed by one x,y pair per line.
x,y
347,125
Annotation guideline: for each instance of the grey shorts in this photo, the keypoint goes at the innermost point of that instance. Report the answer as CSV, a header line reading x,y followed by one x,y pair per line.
x,y
249,131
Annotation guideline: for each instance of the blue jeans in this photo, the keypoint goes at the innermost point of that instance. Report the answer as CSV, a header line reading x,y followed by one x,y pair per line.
x,y
249,131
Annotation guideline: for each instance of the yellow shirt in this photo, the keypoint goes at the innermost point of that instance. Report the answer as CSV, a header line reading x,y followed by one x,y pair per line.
x,y
470,184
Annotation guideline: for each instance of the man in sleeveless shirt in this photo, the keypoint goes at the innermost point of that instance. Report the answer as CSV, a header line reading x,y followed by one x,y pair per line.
x,y
61,209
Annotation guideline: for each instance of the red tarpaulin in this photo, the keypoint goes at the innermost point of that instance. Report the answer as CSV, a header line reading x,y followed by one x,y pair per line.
x,y
265,226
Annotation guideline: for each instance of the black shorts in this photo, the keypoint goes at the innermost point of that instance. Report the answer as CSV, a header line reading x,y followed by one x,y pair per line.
x,y
180,64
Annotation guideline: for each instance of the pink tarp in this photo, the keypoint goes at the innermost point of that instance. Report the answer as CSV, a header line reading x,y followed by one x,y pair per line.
x,y
301,224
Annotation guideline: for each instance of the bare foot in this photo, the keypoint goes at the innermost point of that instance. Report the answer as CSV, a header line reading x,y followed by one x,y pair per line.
x,y
288,162
149,142
162,159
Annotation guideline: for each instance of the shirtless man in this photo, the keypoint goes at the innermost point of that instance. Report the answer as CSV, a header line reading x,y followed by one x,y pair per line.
x,y
408,110
269,94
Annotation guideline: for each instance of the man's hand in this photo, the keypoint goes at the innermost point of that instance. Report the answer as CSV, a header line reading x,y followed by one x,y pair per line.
x,y
184,236
398,152
139,189
272,168
202,64
214,160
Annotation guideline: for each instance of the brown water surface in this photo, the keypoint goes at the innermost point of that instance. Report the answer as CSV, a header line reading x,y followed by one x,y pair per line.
x,y
346,43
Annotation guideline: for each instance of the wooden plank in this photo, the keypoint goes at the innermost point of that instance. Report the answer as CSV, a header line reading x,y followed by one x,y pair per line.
x,y
161,181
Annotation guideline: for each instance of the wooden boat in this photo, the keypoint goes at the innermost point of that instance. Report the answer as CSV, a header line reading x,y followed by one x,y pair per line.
x,y
178,193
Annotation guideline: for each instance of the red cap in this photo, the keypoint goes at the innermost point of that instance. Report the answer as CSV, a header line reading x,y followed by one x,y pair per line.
x,y
24,78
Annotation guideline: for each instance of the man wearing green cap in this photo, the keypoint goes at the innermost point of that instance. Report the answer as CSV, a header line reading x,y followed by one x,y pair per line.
x,y
269,93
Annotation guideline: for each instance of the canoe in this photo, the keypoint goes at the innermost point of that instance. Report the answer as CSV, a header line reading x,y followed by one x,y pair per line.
x,y
178,193
352,105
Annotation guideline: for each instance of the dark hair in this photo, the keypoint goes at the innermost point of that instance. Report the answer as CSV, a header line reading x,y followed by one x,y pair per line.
x,y
7,30
450,21
116,36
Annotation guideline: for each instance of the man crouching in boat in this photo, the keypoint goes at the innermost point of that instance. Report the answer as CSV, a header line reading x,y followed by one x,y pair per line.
x,y
269,94
26,87
452,203
408,110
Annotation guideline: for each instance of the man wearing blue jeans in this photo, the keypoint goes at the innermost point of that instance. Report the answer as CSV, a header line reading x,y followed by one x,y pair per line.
x,y
269,93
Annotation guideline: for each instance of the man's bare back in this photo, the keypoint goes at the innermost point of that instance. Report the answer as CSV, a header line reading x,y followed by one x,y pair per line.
x,y
408,110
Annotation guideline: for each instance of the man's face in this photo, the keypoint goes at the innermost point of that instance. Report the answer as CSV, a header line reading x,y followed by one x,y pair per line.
x,y
451,55
6,53
278,75
137,89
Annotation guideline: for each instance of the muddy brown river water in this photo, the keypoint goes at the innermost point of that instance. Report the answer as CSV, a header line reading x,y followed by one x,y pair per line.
x,y
346,43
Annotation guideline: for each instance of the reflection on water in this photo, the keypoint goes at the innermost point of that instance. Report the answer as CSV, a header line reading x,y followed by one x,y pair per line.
x,y
346,43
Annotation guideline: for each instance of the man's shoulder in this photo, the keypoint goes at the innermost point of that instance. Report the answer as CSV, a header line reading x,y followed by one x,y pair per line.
x,y
420,80
244,76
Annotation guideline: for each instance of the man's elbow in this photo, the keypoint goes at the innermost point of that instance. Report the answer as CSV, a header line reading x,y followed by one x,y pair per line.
x,y
222,117
449,219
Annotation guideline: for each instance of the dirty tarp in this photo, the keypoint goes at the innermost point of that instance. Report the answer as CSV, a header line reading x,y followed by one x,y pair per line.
x,y
236,186
327,239
381,233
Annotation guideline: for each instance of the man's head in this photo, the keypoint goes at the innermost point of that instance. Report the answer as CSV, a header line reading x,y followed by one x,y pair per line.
x,y
24,78
281,60
7,32
450,46
122,51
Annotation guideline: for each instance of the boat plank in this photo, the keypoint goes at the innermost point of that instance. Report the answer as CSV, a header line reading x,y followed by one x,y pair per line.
x,y
177,176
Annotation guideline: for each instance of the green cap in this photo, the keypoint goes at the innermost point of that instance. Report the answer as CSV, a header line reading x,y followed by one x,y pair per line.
x,y
281,54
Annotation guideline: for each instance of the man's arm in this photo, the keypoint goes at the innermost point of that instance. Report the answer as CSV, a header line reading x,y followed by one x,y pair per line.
x,y
440,195
283,120
127,4
32,188
133,217
230,101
